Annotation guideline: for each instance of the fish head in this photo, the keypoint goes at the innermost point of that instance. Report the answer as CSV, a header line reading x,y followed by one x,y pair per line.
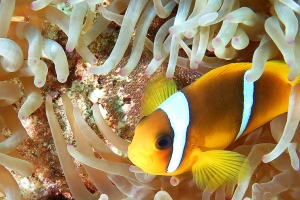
x,y
151,147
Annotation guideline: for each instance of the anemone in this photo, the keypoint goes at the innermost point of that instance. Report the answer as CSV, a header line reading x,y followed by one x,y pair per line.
x,y
197,35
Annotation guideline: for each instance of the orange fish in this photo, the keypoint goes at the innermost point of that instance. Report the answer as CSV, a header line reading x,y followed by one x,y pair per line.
x,y
187,130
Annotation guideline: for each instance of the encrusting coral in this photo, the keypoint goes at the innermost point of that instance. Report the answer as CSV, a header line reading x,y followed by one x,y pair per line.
x,y
199,35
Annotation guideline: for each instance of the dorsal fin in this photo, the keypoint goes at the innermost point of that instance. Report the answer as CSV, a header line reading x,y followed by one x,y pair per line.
x,y
158,89
277,67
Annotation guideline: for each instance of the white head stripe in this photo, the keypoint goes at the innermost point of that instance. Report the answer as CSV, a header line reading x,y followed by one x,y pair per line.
x,y
248,92
177,109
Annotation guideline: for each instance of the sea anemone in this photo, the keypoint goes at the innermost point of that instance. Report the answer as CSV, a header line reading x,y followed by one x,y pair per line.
x,y
9,157
198,35
267,180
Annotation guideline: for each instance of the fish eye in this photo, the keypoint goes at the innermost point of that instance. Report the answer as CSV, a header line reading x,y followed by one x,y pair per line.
x,y
163,142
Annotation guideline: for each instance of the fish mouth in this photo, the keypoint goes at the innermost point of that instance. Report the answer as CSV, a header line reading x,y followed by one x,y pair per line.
x,y
139,157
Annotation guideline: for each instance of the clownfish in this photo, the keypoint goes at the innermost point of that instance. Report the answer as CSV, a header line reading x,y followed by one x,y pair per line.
x,y
188,130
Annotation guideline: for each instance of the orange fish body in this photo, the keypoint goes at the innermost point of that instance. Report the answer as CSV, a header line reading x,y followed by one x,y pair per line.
x,y
219,105
188,130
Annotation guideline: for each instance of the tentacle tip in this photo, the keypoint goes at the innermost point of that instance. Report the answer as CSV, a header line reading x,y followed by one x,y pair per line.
x,y
131,168
170,77
103,197
38,84
188,35
174,181
264,159
69,49
249,78
95,60
217,40
32,6
123,72
236,39
49,97
176,38
148,73
292,77
194,67
290,63
62,80
229,17
158,58
100,8
211,49
228,197
33,61
290,41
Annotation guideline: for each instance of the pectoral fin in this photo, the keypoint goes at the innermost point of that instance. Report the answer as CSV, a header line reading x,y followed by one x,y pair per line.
x,y
217,168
